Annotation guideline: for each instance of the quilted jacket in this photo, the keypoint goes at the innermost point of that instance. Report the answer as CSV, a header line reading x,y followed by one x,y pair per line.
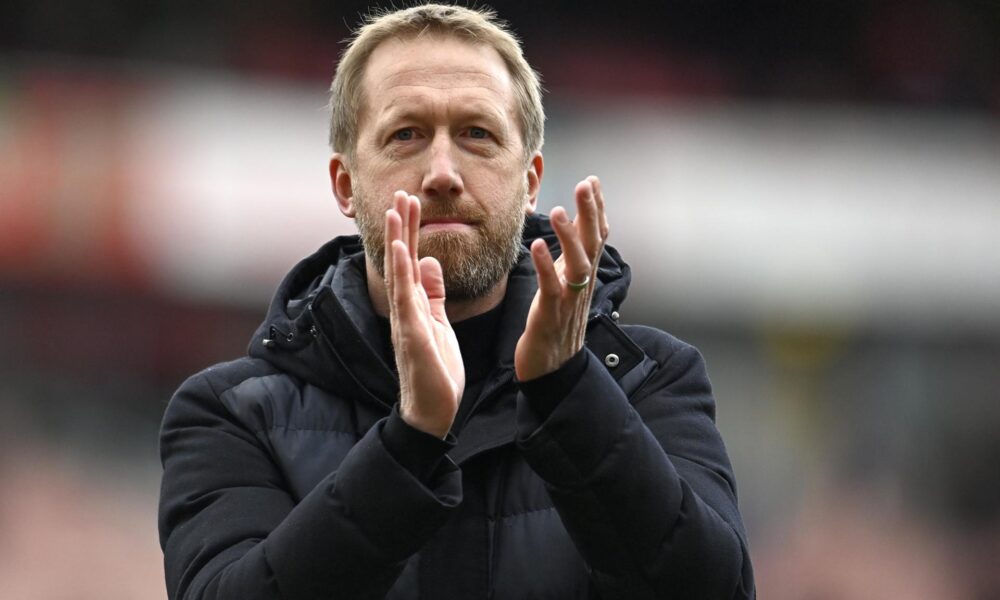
x,y
277,483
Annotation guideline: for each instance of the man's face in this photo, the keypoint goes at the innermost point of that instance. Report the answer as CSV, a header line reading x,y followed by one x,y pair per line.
x,y
439,121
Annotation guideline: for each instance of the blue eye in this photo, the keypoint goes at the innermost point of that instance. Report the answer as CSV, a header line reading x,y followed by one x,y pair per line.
x,y
403,135
478,133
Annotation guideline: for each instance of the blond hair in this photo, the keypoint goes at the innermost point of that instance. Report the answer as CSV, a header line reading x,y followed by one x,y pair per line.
x,y
479,26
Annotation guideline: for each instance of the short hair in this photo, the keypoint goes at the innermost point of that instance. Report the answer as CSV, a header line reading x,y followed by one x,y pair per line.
x,y
478,25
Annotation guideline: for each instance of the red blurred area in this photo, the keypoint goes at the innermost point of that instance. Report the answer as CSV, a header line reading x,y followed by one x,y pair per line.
x,y
68,181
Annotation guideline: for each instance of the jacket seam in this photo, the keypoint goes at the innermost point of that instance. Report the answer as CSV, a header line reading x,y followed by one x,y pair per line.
x,y
524,513
291,428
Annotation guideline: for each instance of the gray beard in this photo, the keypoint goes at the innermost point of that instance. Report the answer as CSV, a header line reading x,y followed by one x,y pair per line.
x,y
472,265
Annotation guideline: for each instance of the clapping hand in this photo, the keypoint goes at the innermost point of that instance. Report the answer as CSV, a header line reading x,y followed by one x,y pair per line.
x,y
431,373
557,319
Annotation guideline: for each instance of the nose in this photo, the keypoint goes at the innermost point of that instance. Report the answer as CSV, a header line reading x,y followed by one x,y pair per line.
x,y
442,178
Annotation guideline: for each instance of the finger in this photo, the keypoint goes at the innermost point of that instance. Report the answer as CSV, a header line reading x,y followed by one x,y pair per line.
x,y
577,263
393,231
404,206
399,204
599,199
414,237
403,287
433,283
548,280
587,218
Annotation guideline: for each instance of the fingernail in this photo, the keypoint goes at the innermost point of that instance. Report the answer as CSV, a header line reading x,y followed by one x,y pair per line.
x,y
561,217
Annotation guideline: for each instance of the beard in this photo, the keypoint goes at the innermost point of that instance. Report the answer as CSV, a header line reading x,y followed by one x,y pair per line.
x,y
472,262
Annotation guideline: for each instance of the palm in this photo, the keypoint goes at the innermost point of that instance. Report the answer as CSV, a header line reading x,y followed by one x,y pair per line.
x,y
431,373
543,346
433,360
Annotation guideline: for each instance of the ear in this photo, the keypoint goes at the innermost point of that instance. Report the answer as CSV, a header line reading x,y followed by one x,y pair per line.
x,y
536,167
340,182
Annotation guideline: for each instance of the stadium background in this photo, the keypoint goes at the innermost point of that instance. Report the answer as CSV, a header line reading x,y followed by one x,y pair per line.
x,y
808,191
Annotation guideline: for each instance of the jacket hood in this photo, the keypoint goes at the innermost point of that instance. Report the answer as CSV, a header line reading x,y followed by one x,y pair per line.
x,y
322,328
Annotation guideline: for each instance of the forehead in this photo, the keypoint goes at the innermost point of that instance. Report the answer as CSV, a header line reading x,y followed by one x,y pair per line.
x,y
435,63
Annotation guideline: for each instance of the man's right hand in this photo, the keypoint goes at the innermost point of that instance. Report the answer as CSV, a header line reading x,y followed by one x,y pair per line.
x,y
431,373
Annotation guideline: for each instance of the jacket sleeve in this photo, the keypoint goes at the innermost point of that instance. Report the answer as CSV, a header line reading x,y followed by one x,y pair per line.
x,y
645,490
230,530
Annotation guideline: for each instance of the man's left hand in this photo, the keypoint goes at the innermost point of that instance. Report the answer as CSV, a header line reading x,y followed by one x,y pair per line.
x,y
557,320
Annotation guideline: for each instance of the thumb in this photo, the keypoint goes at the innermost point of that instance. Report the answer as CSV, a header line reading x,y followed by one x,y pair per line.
x,y
433,281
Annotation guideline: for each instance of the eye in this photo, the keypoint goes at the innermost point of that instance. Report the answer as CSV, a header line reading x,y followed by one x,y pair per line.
x,y
403,135
478,133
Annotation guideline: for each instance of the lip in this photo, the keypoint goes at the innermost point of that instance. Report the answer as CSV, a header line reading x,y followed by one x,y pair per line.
x,y
445,225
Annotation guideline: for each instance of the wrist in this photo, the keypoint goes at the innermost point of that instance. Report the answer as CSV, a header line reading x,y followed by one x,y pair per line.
x,y
540,366
436,425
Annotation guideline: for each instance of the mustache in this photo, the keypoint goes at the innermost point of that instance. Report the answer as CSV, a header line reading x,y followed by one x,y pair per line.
x,y
437,210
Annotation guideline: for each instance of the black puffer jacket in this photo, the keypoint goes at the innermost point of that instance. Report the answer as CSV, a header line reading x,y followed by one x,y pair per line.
x,y
277,483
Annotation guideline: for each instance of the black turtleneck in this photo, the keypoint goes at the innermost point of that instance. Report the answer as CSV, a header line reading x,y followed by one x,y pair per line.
x,y
421,453
477,339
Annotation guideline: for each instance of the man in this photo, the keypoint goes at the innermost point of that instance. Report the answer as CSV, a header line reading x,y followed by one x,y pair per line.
x,y
433,410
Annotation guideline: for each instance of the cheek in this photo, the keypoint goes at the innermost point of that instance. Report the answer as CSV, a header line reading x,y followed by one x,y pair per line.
x,y
499,172
502,196
388,174
377,187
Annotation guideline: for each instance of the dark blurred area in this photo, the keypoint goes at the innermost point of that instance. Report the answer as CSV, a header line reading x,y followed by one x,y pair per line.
x,y
807,191
929,53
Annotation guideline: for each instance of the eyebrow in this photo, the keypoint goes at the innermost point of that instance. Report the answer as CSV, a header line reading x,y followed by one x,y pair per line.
x,y
413,108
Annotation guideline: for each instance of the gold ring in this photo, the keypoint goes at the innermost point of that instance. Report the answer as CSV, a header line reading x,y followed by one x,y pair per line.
x,y
576,287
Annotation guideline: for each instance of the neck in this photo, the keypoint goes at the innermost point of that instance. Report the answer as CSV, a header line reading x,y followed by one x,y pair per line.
x,y
458,310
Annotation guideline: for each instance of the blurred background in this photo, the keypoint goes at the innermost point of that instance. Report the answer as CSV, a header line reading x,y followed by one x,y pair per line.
x,y
808,191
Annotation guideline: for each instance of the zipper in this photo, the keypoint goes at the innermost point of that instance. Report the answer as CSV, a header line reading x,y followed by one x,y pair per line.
x,y
463,453
494,518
